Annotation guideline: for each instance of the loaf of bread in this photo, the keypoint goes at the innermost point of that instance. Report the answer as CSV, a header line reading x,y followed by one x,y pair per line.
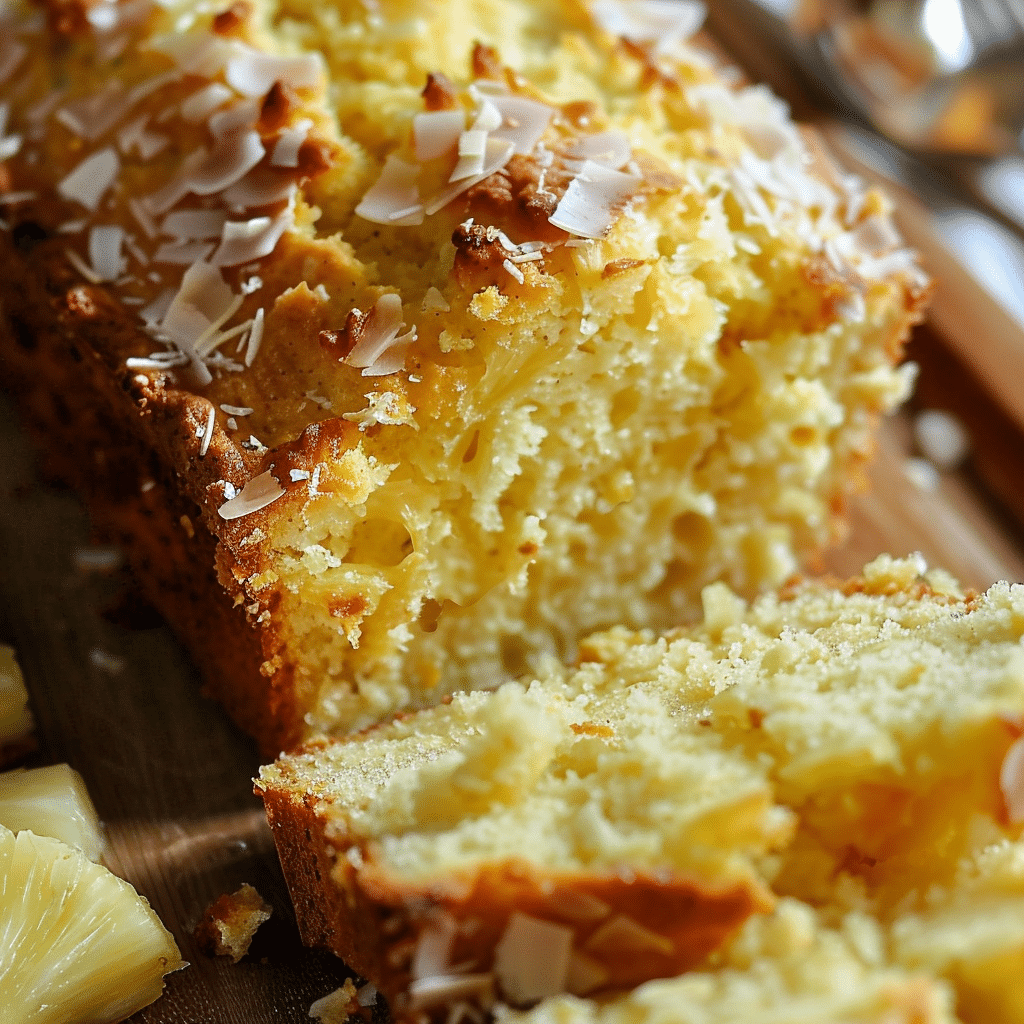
x,y
403,343
854,748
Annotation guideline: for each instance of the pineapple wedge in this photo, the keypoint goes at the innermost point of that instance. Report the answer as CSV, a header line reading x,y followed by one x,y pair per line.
x,y
77,944
52,801
15,718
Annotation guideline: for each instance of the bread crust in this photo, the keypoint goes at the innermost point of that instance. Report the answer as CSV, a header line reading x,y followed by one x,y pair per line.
x,y
627,926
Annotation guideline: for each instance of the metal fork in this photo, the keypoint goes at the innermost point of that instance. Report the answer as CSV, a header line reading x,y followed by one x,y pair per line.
x,y
941,75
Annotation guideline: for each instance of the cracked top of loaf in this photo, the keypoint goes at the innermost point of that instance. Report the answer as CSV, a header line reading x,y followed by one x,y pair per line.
x,y
480,324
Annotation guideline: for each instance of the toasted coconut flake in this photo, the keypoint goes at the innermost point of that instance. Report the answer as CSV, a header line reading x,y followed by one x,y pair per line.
x,y
258,493
105,252
514,270
255,337
531,959
425,992
260,187
523,122
436,132
622,935
592,200
81,266
289,142
578,905
395,197
236,410
252,73
205,101
89,181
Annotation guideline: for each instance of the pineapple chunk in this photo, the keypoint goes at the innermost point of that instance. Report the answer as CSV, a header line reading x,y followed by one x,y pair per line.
x,y
15,718
77,944
51,801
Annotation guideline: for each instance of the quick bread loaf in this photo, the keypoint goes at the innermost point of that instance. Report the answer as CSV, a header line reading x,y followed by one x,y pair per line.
x,y
402,344
667,806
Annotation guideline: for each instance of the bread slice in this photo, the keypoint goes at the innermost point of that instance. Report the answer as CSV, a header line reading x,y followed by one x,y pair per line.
x,y
591,828
372,435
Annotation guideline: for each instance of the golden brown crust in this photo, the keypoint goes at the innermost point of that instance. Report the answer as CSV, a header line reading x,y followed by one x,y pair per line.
x,y
629,926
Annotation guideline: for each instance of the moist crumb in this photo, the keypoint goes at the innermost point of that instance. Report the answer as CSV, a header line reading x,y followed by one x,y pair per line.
x,y
230,922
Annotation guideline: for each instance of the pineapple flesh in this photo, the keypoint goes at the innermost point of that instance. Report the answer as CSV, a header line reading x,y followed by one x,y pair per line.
x,y
77,944
15,718
52,801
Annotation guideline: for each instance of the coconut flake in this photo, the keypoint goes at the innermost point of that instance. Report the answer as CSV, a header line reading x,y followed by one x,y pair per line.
x,y
187,225
661,22
523,121
622,935
395,197
211,420
499,152
531,959
434,300
201,304
92,116
105,252
425,992
258,493
135,135
436,132
433,947
289,142
184,253
252,72
255,337
236,117
205,101
260,187
243,241
141,214
610,149
472,150
592,199
379,332
233,156
89,181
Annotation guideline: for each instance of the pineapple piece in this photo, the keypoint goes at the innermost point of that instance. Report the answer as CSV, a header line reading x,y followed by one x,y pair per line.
x,y
52,801
15,718
77,944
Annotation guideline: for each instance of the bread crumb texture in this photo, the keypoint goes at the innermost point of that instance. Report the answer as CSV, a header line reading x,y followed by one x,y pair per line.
x,y
805,808
464,328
